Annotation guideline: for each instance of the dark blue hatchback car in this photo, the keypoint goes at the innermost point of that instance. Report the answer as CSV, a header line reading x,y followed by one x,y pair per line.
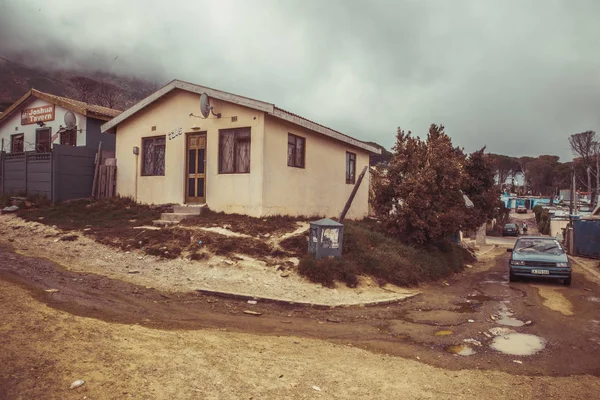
x,y
539,257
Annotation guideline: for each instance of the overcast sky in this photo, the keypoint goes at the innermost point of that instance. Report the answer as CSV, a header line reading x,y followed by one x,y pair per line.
x,y
516,75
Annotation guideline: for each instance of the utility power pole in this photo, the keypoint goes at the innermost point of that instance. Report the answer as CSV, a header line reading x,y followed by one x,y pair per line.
x,y
572,208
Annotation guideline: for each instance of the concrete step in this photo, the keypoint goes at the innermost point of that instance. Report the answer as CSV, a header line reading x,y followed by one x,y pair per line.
x,y
193,210
175,216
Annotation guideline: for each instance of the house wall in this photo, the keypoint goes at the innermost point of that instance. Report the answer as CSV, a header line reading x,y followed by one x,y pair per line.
x,y
557,225
95,136
12,125
231,193
318,189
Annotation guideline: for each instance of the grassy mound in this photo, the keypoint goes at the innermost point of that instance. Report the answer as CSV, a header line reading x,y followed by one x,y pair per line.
x,y
369,252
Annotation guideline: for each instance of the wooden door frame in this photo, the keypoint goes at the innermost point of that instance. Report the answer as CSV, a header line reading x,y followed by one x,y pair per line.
x,y
185,165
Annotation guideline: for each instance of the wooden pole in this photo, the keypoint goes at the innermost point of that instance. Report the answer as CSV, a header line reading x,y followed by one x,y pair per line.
x,y
351,198
96,168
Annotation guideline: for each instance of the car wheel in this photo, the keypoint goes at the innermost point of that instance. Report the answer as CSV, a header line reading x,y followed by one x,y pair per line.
x,y
512,278
567,282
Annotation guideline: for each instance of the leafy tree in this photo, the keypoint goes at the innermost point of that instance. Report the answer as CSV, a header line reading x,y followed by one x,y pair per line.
x,y
541,174
480,186
420,198
505,167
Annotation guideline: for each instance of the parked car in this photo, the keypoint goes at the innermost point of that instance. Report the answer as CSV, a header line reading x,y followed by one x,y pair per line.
x,y
510,230
521,210
539,256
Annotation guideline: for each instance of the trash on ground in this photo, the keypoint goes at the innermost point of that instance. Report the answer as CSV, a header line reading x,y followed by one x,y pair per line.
x,y
518,361
471,320
252,301
252,313
497,331
335,320
285,274
318,389
77,383
51,290
445,332
472,341
10,209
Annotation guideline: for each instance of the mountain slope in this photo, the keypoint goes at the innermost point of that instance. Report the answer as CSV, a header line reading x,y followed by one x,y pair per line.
x,y
93,87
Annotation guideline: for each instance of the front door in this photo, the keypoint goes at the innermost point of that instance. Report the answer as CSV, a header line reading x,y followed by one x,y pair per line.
x,y
195,177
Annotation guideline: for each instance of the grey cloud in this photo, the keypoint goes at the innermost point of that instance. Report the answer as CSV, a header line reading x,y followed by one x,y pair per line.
x,y
516,76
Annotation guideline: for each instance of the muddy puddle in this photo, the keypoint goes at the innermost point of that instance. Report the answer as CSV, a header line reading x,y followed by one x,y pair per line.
x,y
480,298
436,317
445,332
461,350
518,344
505,317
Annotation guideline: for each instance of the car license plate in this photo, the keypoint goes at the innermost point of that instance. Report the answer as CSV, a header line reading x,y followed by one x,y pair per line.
x,y
540,271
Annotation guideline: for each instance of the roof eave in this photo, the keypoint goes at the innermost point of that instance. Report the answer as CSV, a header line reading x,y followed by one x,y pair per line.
x,y
296,120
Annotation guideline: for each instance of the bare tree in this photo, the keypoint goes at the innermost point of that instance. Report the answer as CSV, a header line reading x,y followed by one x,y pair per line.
x,y
108,95
85,87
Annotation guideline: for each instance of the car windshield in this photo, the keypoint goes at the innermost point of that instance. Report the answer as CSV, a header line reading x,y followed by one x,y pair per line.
x,y
546,246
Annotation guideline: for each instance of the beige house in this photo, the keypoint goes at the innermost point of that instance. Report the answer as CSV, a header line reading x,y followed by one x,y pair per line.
x,y
247,156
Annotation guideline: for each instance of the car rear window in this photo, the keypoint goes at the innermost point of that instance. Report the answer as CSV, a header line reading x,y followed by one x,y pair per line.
x,y
513,226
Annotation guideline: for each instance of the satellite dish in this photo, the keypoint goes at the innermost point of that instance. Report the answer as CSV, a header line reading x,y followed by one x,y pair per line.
x,y
70,120
205,107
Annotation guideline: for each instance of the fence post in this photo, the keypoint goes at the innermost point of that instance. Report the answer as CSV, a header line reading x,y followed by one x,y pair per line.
x,y
26,177
52,177
2,166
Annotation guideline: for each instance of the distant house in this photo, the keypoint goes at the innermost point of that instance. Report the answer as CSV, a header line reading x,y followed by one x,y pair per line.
x,y
48,146
247,156
36,122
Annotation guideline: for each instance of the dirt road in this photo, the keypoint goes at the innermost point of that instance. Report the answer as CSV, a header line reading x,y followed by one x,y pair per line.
x,y
466,339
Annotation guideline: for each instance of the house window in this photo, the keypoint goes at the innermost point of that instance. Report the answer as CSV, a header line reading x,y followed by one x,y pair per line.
x,y
69,137
350,167
234,151
42,140
296,151
16,143
153,156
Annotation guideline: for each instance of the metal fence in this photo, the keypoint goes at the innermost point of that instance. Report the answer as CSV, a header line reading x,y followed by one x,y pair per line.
x,y
586,237
64,173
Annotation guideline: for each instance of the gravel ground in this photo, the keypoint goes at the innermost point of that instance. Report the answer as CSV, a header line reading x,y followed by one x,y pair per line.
x,y
243,275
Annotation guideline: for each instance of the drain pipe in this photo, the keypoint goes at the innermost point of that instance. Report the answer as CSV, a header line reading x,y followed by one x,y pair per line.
x,y
136,151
